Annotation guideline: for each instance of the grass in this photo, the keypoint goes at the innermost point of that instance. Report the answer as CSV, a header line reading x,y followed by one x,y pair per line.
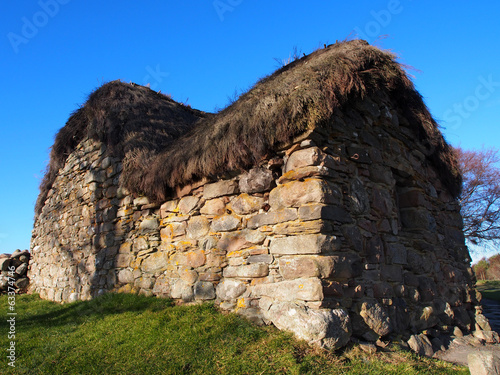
x,y
489,289
129,334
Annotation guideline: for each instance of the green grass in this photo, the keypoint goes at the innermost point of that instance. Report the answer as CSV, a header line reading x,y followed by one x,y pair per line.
x,y
489,289
129,334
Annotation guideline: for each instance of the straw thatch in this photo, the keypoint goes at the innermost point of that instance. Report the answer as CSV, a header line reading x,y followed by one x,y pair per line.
x,y
296,98
126,118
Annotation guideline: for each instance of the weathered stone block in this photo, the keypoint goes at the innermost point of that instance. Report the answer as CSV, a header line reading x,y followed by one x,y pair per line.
x,y
140,244
396,253
247,271
303,289
173,230
197,227
330,329
218,189
299,227
421,344
215,207
204,290
125,276
161,287
234,241
304,244
225,223
305,266
230,289
155,262
325,212
195,259
245,204
299,193
345,266
273,217
261,258
188,204
180,289
376,317
123,260
257,180
149,225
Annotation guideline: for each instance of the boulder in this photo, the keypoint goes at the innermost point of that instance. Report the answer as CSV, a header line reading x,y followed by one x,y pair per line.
x,y
327,328
484,363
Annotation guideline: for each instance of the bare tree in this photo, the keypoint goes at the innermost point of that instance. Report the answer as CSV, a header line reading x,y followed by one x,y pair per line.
x,y
480,198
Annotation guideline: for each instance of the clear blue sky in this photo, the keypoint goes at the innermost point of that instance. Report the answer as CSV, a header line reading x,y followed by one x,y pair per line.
x,y
55,52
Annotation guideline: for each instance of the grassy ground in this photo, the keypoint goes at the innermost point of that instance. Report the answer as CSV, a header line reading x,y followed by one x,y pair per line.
x,y
489,289
128,334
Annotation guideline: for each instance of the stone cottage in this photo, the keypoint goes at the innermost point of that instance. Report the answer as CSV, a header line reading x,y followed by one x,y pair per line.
x,y
323,201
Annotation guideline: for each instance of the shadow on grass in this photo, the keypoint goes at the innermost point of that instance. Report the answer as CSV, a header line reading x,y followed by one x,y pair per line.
x,y
99,307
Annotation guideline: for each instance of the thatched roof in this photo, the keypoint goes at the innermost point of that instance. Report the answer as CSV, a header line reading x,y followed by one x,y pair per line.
x,y
294,99
127,118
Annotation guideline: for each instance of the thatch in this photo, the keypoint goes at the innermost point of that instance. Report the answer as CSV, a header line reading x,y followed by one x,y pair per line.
x,y
126,118
294,99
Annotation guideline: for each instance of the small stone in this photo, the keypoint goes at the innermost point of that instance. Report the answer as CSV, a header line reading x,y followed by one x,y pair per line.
x,y
22,283
257,180
376,318
141,201
420,344
21,270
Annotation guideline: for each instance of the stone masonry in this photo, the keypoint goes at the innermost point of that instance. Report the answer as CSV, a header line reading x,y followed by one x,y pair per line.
x,y
347,232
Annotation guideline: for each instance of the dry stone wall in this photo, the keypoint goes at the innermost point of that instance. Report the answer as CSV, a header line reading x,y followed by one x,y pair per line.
x,y
345,232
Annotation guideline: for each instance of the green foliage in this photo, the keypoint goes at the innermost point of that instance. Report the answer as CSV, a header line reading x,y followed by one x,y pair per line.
x,y
129,334
489,289
481,269
488,269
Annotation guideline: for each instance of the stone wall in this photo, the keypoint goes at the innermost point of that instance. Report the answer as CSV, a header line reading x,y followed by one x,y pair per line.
x,y
347,231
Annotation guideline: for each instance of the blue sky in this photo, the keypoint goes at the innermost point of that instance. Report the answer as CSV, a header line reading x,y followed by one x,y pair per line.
x,y
53,53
